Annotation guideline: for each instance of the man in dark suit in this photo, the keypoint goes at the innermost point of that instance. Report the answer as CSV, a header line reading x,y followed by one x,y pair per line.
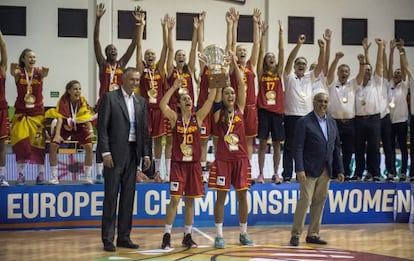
x,y
318,158
123,140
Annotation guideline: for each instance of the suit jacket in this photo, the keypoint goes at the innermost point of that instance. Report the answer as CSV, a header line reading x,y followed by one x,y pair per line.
x,y
312,152
114,124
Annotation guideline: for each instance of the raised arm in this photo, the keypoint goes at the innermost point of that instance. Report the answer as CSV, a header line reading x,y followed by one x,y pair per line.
x,y
235,17
170,56
128,53
293,54
281,55
327,37
241,93
263,29
331,72
361,71
385,71
100,11
405,69
140,18
163,54
3,52
169,113
229,32
393,44
366,45
254,55
192,56
321,58
380,60
206,108
200,38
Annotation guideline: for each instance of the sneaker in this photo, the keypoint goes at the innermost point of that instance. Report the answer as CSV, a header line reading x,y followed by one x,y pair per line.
x,y
219,243
376,179
188,242
294,241
403,177
3,182
40,179
286,179
88,180
355,178
157,177
276,179
260,178
166,241
245,240
99,179
141,177
368,177
390,177
167,178
347,178
21,180
54,181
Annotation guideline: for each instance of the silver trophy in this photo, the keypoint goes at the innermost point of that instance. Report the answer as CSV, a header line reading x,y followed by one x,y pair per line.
x,y
215,58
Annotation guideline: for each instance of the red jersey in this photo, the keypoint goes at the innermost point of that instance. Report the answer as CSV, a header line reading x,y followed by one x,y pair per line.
x,y
190,150
204,85
3,102
248,79
270,95
187,83
231,144
151,77
106,72
36,89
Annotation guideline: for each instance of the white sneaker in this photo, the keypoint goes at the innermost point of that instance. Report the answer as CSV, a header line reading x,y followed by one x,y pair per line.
x,y
88,180
3,182
54,181
205,177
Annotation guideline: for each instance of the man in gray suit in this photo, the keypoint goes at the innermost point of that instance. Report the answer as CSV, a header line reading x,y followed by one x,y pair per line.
x,y
123,140
318,158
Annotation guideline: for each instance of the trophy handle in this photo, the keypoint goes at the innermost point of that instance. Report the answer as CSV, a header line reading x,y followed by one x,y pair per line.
x,y
202,57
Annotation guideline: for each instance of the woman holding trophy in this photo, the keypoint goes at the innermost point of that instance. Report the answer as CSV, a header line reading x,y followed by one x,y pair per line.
x,y
232,168
27,132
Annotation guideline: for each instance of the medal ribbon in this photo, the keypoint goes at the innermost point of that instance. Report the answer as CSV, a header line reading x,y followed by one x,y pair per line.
x,y
29,80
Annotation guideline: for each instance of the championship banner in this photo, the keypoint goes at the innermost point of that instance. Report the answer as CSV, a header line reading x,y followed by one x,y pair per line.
x,y
80,206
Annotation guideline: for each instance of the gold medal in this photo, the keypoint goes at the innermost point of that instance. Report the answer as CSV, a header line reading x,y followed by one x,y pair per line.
x,y
271,97
363,102
344,100
30,100
302,94
152,93
113,87
392,105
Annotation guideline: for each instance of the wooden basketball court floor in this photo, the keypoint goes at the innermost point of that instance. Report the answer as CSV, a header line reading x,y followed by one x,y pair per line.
x,y
390,241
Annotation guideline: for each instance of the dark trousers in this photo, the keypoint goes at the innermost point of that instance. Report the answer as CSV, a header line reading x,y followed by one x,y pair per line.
x,y
367,139
119,179
412,145
387,147
399,131
290,124
346,130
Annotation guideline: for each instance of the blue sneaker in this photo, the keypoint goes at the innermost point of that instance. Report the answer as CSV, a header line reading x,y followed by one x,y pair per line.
x,y
219,243
21,180
99,179
245,240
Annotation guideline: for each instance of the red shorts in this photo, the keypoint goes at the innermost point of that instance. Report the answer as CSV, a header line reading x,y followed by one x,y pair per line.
x,y
205,130
4,124
250,120
226,173
156,122
186,179
81,134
